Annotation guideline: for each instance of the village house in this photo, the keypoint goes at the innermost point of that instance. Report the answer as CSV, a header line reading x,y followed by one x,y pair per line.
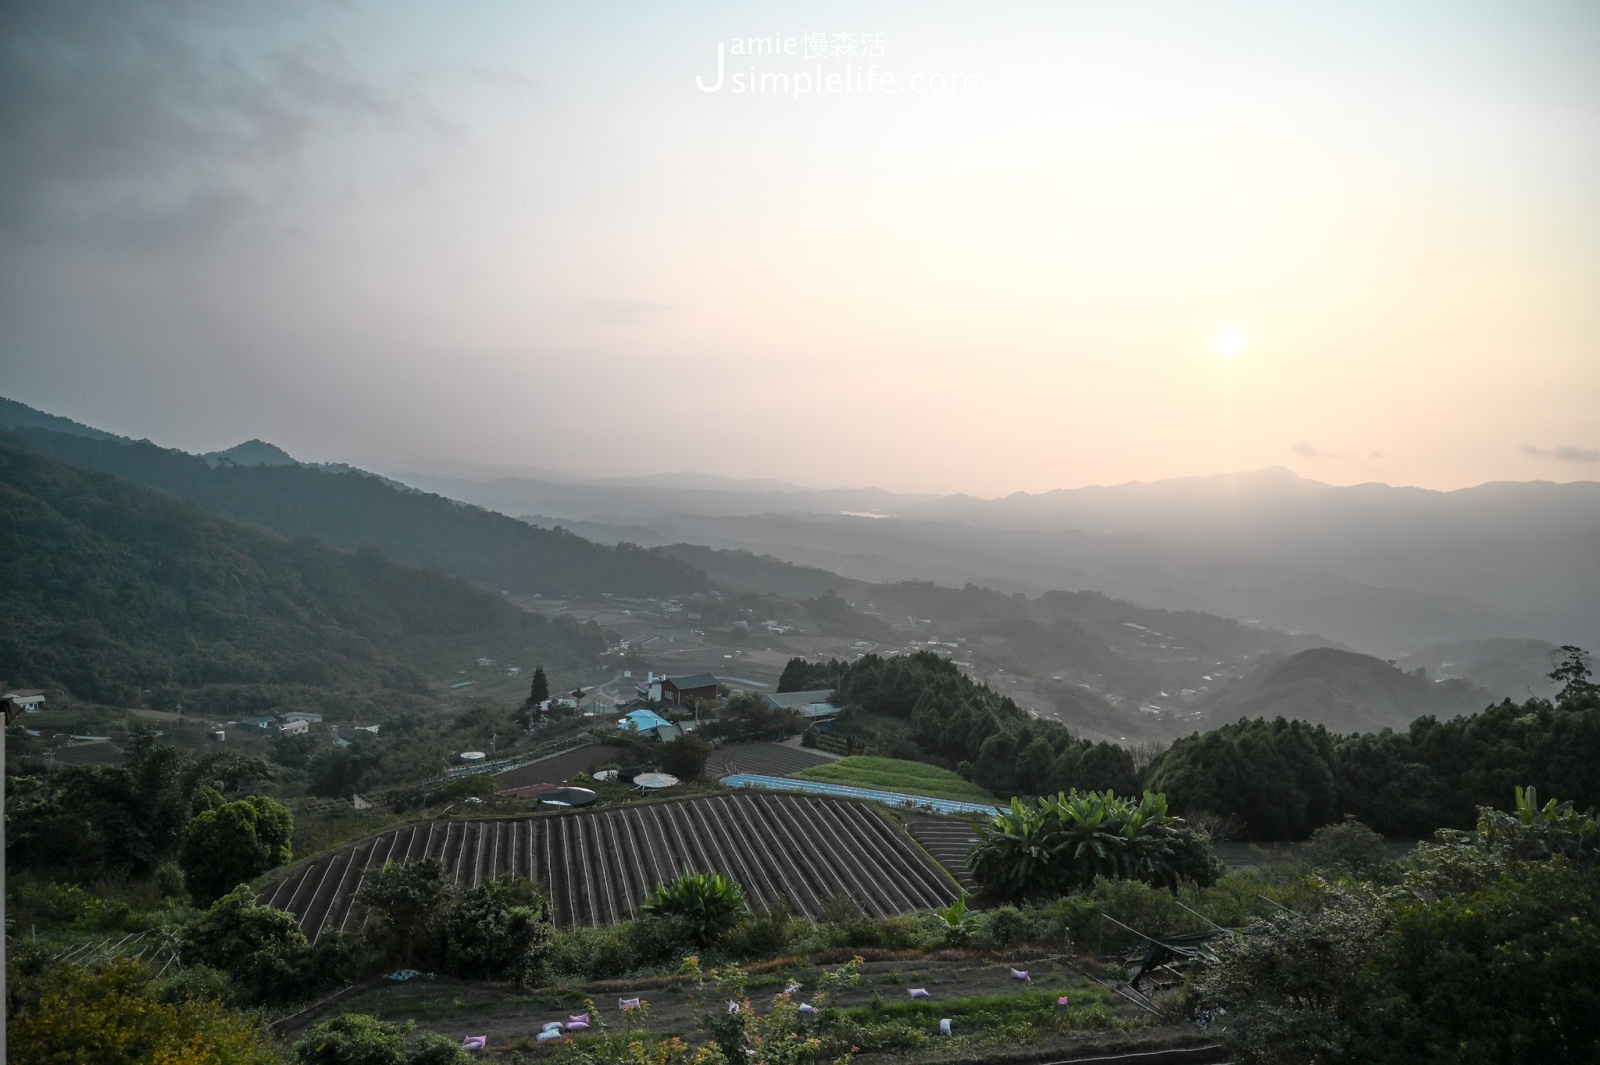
x,y
29,700
679,690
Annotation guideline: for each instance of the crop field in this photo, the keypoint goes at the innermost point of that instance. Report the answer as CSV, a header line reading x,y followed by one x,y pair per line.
x,y
598,866
896,774
772,759
950,840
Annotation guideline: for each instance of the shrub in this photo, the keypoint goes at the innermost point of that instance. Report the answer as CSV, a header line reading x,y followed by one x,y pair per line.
x,y
1063,843
431,1048
708,904
353,1039
109,1013
1349,847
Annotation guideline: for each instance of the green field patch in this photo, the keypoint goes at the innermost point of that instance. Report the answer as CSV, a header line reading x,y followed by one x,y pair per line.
x,y
896,774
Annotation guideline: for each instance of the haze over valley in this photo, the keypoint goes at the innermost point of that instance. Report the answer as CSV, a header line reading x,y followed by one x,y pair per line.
x,y
800,534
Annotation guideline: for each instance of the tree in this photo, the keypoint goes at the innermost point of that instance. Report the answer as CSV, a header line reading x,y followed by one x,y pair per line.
x,y
498,930
406,907
685,757
235,843
266,955
1572,672
1489,953
708,904
539,691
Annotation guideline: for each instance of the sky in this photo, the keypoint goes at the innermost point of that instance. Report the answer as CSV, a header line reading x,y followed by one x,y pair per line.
x,y
928,247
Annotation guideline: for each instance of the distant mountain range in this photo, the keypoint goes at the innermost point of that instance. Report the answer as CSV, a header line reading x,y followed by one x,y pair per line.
x,y
1388,570
1347,692
353,509
1475,584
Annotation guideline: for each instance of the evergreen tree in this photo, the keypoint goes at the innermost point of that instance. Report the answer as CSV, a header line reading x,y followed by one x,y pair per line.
x,y
540,691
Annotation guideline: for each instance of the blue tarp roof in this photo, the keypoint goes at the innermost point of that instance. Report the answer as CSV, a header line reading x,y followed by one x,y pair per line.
x,y
845,791
642,721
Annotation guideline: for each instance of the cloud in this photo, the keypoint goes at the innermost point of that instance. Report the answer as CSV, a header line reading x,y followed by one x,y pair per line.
x,y
1305,449
1565,453
127,119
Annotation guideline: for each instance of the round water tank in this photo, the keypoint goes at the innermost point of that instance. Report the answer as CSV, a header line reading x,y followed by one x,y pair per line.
x,y
473,756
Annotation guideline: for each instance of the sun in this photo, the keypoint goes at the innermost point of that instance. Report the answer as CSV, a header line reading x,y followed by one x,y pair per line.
x,y
1228,343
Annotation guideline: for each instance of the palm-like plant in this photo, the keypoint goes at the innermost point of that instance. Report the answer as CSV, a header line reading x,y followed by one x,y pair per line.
x,y
708,904
1061,843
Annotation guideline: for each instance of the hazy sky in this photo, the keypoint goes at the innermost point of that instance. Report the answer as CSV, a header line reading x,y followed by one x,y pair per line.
x,y
521,233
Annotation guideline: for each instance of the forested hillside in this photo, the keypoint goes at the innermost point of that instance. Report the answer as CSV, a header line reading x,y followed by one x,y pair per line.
x,y
107,587
1345,691
1283,779
924,708
352,509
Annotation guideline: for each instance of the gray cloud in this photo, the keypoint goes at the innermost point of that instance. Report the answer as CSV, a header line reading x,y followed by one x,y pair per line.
x,y
1565,453
1304,448
129,120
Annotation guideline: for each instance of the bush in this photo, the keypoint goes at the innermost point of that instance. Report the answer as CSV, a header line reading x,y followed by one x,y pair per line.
x,y
1349,847
431,1048
353,1039
708,904
102,1014
1063,843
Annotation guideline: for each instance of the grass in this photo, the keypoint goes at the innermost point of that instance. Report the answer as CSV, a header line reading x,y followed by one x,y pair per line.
x,y
895,774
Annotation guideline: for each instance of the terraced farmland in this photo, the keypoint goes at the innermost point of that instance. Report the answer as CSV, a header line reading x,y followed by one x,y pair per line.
x,y
598,866
950,840
772,759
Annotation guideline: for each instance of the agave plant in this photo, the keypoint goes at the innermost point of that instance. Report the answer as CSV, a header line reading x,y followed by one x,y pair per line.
x,y
708,904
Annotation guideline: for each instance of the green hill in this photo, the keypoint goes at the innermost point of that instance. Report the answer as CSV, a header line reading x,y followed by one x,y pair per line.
x,y
107,587
352,509
1344,691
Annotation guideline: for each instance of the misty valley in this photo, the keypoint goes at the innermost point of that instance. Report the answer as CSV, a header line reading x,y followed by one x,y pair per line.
x,y
304,757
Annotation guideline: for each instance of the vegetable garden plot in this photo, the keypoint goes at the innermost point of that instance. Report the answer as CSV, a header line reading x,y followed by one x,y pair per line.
x,y
599,866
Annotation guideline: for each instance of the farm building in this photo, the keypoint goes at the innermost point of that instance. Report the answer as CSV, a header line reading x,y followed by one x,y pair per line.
x,y
30,700
649,723
814,705
297,727
678,690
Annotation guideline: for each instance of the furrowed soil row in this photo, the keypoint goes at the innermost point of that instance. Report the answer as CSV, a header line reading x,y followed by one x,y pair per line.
x,y
950,841
599,866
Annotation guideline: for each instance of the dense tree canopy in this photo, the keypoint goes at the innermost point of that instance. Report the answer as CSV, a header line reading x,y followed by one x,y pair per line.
x,y
1487,952
107,588
85,820
967,727
1283,779
234,843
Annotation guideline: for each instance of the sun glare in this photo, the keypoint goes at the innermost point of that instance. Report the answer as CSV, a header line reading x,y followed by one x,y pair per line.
x,y
1228,343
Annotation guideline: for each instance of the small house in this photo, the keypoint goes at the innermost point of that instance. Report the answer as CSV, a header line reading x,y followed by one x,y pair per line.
x,y
28,700
297,727
645,722
680,690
